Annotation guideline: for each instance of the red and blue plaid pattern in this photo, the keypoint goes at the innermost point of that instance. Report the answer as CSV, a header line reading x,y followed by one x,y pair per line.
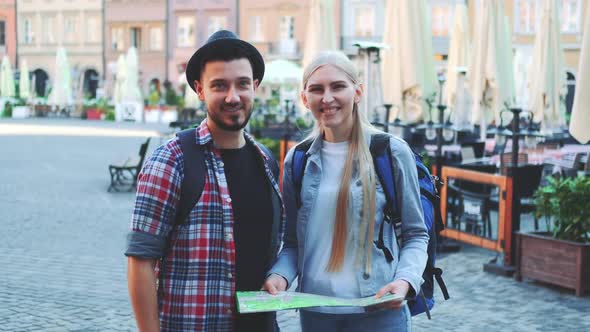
x,y
197,275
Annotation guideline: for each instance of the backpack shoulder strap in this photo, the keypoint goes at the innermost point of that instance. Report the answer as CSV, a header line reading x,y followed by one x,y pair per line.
x,y
298,167
194,174
381,153
274,165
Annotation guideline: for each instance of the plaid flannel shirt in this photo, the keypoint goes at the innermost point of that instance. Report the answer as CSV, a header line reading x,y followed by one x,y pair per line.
x,y
196,290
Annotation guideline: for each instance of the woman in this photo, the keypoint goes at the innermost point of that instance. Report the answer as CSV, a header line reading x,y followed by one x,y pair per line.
x,y
342,206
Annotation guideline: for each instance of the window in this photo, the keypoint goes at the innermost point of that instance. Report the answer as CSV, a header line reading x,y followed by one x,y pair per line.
x,y
186,31
135,37
93,33
571,15
48,29
442,18
29,36
364,22
2,33
117,43
256,33
70,29
216,23
527,14
156,42
287,27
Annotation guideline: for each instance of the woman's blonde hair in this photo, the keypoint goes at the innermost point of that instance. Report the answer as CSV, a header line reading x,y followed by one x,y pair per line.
x,y
358,159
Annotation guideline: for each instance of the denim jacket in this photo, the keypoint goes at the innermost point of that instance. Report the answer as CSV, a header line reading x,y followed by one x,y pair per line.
x,y
408,263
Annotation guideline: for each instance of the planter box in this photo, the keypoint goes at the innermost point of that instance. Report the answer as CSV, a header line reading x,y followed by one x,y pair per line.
x,y
21,112
93,114
563,263
152,114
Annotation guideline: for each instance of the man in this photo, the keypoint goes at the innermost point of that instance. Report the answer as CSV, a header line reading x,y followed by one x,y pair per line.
x,y
231,236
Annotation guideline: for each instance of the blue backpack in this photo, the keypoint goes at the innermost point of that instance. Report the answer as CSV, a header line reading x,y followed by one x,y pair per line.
x,y
381,153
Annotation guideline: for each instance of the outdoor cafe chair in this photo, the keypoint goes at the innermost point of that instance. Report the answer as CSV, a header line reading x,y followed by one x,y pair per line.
x,y
529,179
124,174
469,202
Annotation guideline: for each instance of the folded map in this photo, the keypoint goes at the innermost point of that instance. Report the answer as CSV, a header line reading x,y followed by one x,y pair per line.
x,y
249,302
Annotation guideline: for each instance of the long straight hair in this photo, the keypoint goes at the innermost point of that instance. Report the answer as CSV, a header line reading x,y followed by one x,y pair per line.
x,y
358,161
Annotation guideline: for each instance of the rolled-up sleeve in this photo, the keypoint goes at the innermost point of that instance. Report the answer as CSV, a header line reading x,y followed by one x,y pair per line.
x,y
286,264
413,255
158,191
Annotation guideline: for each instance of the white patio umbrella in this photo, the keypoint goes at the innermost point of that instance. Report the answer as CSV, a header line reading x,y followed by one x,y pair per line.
x,y
548,75
490,76
458,52
580,120
281,71
120,79
191,99
131,91
24,86
320,34
61,91
6,79
408,65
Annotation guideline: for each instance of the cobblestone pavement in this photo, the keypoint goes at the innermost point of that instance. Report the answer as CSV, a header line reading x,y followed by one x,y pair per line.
x,y
63,235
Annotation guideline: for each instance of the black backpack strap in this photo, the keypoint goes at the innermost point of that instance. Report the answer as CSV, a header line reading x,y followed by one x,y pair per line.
x,y
194,174
381,153
438,276
272,162
298,167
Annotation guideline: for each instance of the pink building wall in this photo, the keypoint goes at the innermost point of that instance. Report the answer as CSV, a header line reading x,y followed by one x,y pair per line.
x,y
8,15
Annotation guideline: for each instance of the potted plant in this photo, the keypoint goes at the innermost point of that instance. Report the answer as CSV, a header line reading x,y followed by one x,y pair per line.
x,y
562,255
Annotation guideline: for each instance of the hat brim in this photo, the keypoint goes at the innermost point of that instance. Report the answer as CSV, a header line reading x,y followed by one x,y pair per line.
x,y
194,65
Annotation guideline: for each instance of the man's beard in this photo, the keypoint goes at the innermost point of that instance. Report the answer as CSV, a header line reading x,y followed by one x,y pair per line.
x,y
236,126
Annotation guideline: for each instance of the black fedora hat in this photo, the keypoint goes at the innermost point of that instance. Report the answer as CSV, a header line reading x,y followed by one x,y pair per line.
x,y
221,45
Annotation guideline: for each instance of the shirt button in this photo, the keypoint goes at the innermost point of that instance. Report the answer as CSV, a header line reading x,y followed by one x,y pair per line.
x,y
221,163
228,237
229,275
229,311
228,199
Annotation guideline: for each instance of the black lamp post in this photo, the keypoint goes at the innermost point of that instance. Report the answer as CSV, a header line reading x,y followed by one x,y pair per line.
x,y
515,133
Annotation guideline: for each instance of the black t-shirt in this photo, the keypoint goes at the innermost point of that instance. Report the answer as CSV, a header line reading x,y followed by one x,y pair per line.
x,y
252,209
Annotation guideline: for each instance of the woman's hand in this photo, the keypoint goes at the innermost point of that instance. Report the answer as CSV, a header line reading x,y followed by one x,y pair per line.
x,y
274,284
399,287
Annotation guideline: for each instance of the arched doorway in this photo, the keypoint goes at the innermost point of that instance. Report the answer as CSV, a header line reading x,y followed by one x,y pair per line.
x,y
40,79
90,83
571,91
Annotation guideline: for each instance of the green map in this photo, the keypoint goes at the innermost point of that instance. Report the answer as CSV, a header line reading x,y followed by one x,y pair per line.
x,y
249,302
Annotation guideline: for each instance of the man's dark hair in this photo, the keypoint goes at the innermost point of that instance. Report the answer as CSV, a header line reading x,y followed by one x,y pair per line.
x,y
226,53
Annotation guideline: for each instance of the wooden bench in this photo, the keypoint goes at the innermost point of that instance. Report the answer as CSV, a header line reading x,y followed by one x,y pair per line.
x,y
124,174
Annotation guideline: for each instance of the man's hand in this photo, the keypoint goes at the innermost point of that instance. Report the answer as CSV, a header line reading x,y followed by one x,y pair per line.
x,y
399,287
274,284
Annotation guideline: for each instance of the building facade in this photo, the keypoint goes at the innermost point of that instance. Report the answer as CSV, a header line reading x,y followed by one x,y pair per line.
x,y
362,20
140,24
277,28
191,22
44,26
8,30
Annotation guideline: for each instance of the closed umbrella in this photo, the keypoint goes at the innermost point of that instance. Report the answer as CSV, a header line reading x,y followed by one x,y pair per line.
x,y
191,99
580,120
61,91
408,65
548,75
320,34
491,79
24,86
120,79
131,91
458,51
6,79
